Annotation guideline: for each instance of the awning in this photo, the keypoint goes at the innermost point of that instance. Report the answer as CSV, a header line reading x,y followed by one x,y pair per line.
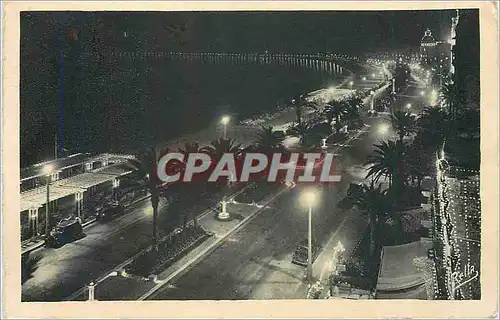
x,y
397,270
36,198
418,292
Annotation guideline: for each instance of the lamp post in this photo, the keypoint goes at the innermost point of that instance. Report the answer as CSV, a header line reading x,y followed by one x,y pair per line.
x,y
408,106
372,100
383,129
48,172
91,288
223,214
225,120
309,198
351,83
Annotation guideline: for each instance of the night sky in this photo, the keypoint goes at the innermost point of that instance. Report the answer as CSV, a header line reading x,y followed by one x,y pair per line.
x,y
251,31
55,44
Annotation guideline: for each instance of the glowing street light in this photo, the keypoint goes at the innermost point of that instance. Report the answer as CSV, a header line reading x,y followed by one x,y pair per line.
x,y
309,199
225,120
422,93
351,83
408,106
383,129
433,99
364,78
373,75
47,170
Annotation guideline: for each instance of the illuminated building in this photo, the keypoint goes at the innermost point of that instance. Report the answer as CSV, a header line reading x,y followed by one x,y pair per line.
x,y
435,53
454,23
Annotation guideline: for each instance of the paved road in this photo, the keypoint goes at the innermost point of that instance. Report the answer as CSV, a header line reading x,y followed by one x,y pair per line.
x,y
62,271
255,262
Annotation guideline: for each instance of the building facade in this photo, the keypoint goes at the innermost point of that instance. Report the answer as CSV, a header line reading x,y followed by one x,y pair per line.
x,y
435,54
453,41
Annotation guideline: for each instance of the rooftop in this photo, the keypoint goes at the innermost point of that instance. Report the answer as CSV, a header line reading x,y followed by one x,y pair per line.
x,y
67,162
37,169
37,197
398,273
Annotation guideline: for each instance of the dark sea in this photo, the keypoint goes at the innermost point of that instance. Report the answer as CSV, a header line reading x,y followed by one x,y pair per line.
x,y
125,105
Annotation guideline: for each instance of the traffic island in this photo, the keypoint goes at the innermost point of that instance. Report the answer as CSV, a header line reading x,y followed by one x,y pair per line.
x,y
170,250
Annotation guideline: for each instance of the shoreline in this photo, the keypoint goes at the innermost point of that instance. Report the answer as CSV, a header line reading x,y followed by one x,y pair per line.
x,y
241,132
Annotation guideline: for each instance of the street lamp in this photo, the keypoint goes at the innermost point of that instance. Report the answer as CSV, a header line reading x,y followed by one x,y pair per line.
x,y
408,106
309,199
433,99
364,78
373,75
351,83
225,120
383,129
422,93
47,170
372,100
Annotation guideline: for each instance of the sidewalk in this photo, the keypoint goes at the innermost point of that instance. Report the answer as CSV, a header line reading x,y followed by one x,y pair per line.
x,y
38,242
115,286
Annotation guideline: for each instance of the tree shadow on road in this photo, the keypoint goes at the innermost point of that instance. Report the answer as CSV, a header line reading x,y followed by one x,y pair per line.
x,y
28,267
279,269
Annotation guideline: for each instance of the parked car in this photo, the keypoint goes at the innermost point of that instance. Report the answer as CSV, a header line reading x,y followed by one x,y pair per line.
x,y
300,254
110,211
67,230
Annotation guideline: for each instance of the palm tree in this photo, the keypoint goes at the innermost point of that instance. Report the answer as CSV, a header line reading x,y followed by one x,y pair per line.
x,y
336,109
269,140
419,160
433,127
373,202
196,189
190,147
299,103
452,98
219,147
388,162
403,123
354,104
145,172
304,131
